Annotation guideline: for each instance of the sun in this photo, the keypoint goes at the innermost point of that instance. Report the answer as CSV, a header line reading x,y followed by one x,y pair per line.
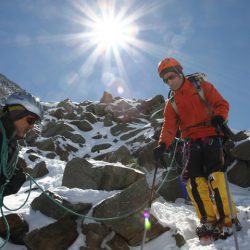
x,y
111,30
110,36
112,33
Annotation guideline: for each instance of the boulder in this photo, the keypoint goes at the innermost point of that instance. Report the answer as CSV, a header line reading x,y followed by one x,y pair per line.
x,y
18,228
106,98
89,117
59,235
58,128
39,170
171,189
21,163
97,109
148,106
145,157
239,174
47,207
58,113
83,125
98,236
100,147
67,105
121,155
46,145
129,202
120,128
242,151
79,173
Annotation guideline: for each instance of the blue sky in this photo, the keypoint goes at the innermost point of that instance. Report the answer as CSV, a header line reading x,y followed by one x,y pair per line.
x,y
55,49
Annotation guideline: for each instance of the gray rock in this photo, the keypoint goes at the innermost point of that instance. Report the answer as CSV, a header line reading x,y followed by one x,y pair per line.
x,y
130,203
100,147
18,228
59,128
97,109
58,235
79,173
67,105
240,174
107,122
89,117
47,207
122,155
242,151
83,125
97,234
33,157
46,145
40,170
58,113
145,157
120,128
171,189
106,98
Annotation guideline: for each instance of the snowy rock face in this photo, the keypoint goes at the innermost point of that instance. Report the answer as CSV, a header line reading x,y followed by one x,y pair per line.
x,y
7,87
96,159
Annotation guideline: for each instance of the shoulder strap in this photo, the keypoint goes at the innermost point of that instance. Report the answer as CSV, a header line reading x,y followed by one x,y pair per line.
x,y
172,101
196,79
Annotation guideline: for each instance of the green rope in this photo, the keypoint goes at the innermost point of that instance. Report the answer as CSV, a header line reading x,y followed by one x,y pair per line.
x,y
67,209
7,169
170,168
86,216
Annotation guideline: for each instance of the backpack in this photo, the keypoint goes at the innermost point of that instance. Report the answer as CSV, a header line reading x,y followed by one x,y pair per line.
x,y
196,79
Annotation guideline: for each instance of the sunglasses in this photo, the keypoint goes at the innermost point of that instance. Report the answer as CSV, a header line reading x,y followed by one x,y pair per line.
x,y
31,120
170,78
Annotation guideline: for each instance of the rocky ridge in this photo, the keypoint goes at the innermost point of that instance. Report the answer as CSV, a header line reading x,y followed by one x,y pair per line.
x,y
107,146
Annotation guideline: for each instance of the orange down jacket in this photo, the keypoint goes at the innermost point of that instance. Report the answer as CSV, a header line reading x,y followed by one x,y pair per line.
x,y
193,112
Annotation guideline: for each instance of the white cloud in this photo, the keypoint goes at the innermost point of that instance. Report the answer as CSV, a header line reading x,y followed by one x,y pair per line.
x,y
23,40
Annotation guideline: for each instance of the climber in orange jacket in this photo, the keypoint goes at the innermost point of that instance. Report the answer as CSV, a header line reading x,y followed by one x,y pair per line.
x,y
198,120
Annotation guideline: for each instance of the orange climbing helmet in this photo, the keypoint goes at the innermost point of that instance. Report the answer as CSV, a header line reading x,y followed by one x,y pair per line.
x,y
169,65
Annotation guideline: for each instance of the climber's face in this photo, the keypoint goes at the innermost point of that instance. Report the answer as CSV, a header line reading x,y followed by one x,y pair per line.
x,y
23,125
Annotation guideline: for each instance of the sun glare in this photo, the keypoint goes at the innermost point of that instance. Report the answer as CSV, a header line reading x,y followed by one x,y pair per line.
x,y
110,33
110,29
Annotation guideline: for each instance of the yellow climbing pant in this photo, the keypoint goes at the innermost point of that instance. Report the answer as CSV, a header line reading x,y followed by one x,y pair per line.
x,y
210,198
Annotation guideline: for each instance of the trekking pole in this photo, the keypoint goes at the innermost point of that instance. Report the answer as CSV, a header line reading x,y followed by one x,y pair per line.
x,y
233,220
148,210
229,133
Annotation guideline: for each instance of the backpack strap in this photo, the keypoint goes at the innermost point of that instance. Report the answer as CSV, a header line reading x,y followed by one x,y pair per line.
x,y
196,79
172,101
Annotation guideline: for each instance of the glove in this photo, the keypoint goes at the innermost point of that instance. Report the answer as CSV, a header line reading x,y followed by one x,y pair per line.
x,y
159,151
217,121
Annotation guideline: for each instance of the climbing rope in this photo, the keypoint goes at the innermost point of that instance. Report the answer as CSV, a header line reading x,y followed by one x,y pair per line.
x,y
119,216
170,168
147,212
